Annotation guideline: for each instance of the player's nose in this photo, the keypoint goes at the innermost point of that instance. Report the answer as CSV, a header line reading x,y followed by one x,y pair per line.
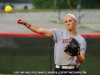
x,y
68,23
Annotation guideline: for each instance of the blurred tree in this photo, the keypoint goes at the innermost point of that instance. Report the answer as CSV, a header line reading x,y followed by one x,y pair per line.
x,y
54,4
91,3
69,3
43,3
65,4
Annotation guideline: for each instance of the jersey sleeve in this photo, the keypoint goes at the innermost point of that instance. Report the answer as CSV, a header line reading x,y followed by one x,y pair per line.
x,y
83,45
56,34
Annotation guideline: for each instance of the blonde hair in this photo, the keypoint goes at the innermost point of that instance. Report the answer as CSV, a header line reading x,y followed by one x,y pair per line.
x,y
71,16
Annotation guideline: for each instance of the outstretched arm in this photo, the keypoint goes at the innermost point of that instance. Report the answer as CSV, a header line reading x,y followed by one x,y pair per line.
x,y
35,28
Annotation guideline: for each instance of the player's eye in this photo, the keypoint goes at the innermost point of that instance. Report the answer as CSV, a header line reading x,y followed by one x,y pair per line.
x,y
70,20
65,21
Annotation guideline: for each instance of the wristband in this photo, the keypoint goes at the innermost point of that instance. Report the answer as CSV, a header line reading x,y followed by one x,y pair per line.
x,y
29,25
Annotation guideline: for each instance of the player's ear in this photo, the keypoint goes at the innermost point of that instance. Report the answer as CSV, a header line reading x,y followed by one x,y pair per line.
x,y
76,25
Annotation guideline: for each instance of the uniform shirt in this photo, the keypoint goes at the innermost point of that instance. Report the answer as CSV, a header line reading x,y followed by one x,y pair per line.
x,y
61,39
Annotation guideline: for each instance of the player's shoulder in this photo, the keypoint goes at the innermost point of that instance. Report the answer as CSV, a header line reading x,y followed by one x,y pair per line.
x,y
79,36
58,30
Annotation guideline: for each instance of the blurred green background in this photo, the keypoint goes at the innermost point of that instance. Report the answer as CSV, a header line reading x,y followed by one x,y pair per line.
x,y
36,54
50,4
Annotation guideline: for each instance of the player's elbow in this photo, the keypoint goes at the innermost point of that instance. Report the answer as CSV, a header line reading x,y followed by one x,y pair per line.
x,y
45,32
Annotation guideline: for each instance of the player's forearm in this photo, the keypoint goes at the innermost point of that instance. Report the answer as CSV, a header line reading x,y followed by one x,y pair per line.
x,y
80,58
32,27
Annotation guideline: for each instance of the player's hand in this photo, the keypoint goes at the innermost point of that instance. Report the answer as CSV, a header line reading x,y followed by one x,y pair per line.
x,y
20,21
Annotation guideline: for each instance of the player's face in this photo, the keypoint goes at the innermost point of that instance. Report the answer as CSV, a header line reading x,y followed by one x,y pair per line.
x,y
70,23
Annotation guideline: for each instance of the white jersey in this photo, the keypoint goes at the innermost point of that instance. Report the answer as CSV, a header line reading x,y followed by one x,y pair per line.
x,y
61,39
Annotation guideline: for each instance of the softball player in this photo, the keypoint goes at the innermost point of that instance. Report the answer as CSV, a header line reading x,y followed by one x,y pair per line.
x,y
63,66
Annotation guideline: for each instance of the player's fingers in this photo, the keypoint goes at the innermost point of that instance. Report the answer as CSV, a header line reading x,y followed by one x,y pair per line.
x,y
19,20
